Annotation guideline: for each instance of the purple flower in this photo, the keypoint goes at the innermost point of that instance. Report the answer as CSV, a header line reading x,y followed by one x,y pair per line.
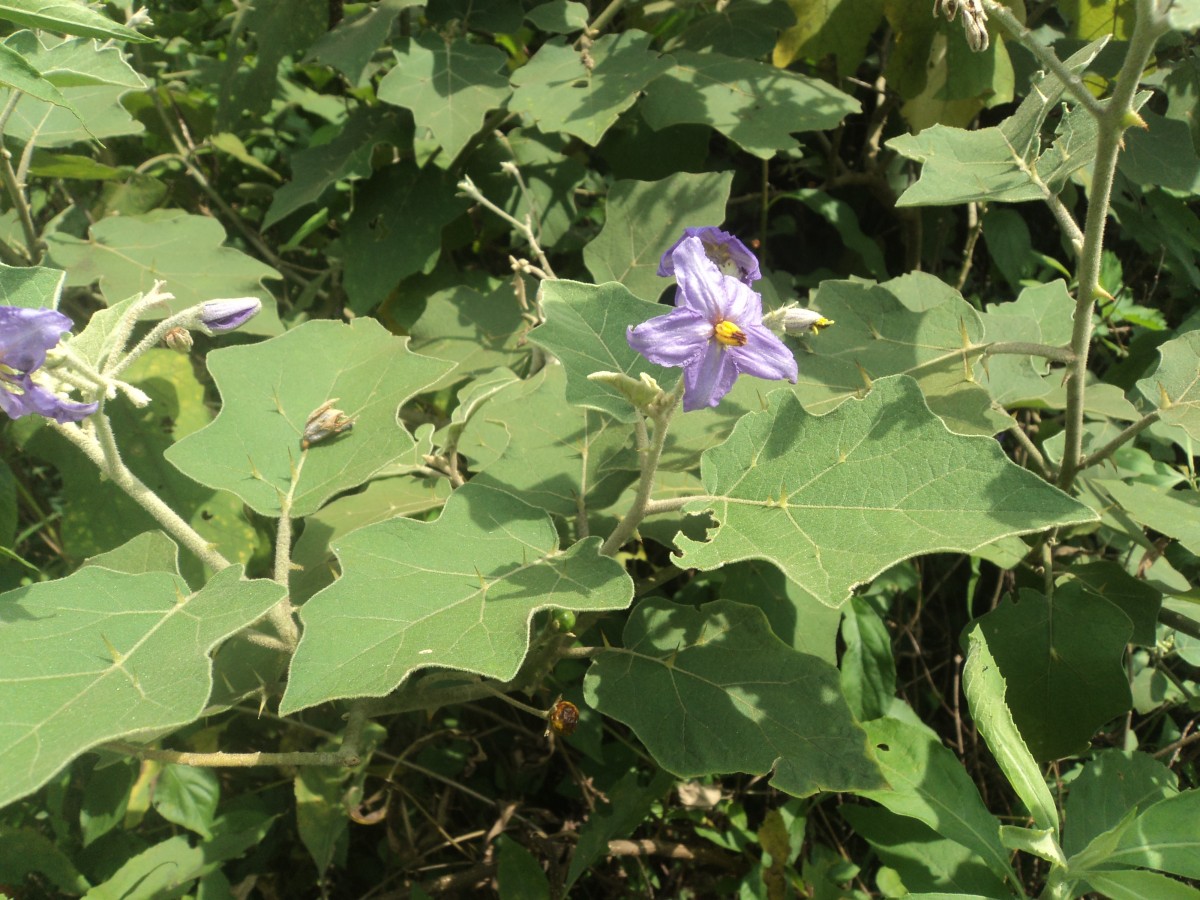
x,y
715,331
25,336
219,316
729,254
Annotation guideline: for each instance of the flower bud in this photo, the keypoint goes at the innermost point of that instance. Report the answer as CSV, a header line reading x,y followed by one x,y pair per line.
x,y
325,422
794,319
179,340
219,316
641,392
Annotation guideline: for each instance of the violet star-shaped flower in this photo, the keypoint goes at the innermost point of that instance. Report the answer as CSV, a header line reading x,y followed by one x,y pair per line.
x,y
715,331
25,336
729,254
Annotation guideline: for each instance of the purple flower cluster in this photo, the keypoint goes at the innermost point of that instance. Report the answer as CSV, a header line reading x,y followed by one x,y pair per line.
x,y
715,331
25,337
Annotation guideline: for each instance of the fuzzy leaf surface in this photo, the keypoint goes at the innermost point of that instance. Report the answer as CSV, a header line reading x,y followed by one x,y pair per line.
x,y
410,597
835,500
252,448
712,690
101,655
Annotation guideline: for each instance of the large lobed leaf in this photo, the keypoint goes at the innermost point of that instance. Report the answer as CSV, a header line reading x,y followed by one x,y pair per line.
x,y
459,592
269,390
712,690
102,655
835,500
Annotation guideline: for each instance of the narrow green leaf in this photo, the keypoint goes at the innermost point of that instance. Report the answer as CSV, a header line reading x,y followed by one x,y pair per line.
x,y
18,73
27,850
984,686
928,783
188,796
1164,837
712,690
868,671
1138,884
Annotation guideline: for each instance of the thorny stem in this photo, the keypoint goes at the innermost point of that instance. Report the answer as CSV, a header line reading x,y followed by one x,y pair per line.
x,y
1112,120
16,193
649,465
1120,440
283,614
1044,55
103,454
1031,450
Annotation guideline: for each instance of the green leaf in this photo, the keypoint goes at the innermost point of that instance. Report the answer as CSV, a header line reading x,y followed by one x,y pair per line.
x,y
1063,660
1111,785
344,157
561,94
33,287
350,46
643,219
924,860
66,17
1110,584
395,231
95,113
797,618
1164,837
1138,884
1000,163
755,105
554,455
835,500
187,796
101,655
629,803
1040,315
559,17
585,329
984,686
269,390
914,325
476,331
1174,387
840,28
1161,155
712,690
151,551
105,799
428,604
127,254
519,875
383,498
1184,15
1174,513
928,783
868,671
321,816
177,409
18,73
80,62
168,869
449,85
27,850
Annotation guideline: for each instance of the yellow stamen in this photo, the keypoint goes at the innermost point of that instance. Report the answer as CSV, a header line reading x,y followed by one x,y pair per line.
x,y
729,334
821,323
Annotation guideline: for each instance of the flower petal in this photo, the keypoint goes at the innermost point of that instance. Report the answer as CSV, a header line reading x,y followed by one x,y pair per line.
x,y
743,305
720,246
38,400
26,334
219,316
708,378
671,340
764,356
701,285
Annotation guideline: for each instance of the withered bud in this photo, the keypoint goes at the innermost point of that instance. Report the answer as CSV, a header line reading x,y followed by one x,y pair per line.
x,y
179,340
325,422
